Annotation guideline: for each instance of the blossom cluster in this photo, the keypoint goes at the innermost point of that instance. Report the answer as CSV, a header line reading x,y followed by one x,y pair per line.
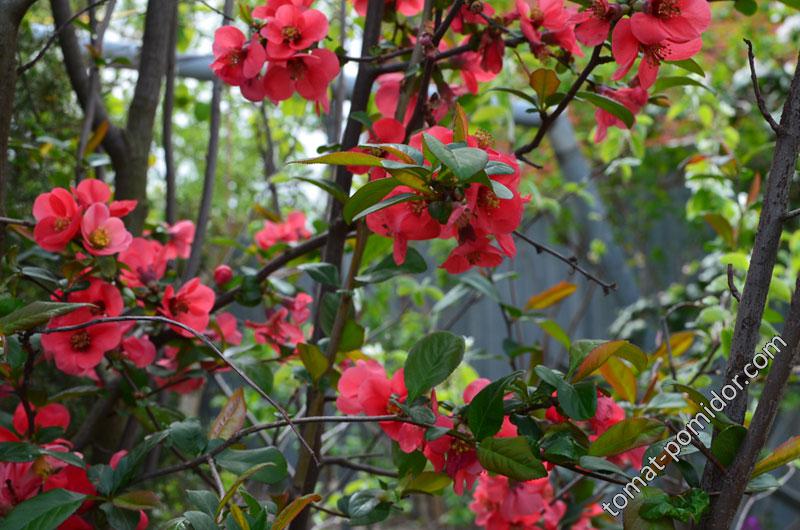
x,y
499,503
280,57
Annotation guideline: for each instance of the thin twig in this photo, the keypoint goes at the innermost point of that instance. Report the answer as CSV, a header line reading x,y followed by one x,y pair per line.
x,y
18,222
667,341
343,462
27,66
732,286
762,104
571,261
207,342
215,475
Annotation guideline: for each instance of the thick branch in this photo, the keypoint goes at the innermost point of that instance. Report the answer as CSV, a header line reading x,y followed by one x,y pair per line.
x,y
754,296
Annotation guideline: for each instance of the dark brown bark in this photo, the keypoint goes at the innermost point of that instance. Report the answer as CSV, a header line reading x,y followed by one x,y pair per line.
x,y
307,472
129,148
11,13
748,321
170,209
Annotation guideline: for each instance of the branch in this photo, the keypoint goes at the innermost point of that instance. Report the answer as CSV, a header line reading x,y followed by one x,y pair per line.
x,y
571,261
210,175
208,342
344,462
18,222
762,105
167,108
732,285
549,119
52,39
751,310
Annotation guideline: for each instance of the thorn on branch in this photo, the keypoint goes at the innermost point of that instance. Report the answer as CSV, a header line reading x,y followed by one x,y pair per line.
x,y
762,104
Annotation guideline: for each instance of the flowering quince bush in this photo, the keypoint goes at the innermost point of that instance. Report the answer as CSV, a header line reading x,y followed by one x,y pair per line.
x,y
109,370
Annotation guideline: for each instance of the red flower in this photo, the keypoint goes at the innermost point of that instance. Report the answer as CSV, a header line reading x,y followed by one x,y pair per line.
x,y
383,131
674,20
293,229
235,61
18,482
594,23
78,351
90,191
103,295
407,8
181,236
550,15
180,382
472,14
228,330
625,47
633,98
307,74
50,415
298,307
146,262
501,504
475,253
190,306
292,29
277,331
103,235
139,350
222,275
58,219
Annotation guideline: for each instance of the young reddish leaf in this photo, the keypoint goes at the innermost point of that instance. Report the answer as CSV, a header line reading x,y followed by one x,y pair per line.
x,y
97,137
343,158
291,511
136,500
621,378
231,418
626,435
679,342
721,226
599,355
314,361
550,296
460,125
755,190
545,82
787,452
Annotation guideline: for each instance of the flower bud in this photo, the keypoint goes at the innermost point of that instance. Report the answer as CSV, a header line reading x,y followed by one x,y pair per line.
x,y
222,275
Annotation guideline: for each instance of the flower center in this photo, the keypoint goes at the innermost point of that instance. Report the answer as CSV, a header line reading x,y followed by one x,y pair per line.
x,y
80,341
290,34
61,224
598,9
485,139
459,446
100,238
176,305
488,199
235,58
655,53
297,69
537,15
665,8
476,6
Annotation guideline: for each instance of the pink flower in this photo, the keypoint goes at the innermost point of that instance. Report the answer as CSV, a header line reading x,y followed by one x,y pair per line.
x,y
293,229
594,23
90,191
277,331
58,219
146,262
18,482
633,98
500,504
551,15
307,74
472,14
47,416
350,382
266,11
78,351
102,294
673,20
181,236
228,330
292,30
103,235
299,307
139,350
234,60
388,95
625,47
404,222
190,306
407,8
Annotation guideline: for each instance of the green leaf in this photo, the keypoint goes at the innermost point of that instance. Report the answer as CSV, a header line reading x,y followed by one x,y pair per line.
x,y
129,464
188,436
631,518
609,105
200,520
328,186
578,401
427,482
485,412
35,314
404,152
314,361
468,162
689,506
594,463
666,82
25,452
726,443
511,457
438,150
391,201
387,268
44,511
501,190
690,65
238,461
367,195
343,158
520,94
323,273
231,418
746,7
136,500
626,435
431,361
